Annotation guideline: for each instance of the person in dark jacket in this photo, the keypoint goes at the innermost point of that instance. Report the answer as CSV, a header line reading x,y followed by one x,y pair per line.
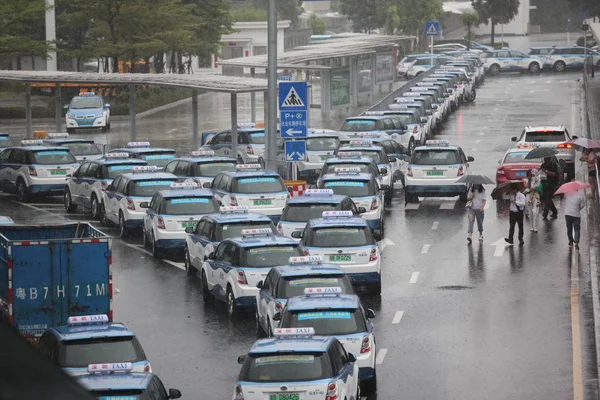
x,y
549,186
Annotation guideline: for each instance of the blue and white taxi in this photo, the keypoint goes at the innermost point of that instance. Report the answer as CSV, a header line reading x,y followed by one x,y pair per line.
x,y
571,57
311,205
343,239
92,339
259,189
84,187
171,212
87,111
122,198
201,167
366,164
413,123
434,171
82,149
230,273
33,168
506,60
286,281
381,125
425,115
430,102
331,313
250,148
155,156
319,147
212,229
436,93
308,367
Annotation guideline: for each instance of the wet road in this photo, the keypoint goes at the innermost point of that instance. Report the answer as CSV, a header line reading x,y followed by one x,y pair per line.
x,y
453,322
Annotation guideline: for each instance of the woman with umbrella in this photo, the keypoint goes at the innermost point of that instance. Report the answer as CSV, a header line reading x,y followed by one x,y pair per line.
x,y
476,200
588,148
573,202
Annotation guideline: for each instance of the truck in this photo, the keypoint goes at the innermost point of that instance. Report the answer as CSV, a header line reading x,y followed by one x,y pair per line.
x,y
49,273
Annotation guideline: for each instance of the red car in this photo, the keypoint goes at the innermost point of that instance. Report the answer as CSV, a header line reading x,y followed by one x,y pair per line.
x,y
513,167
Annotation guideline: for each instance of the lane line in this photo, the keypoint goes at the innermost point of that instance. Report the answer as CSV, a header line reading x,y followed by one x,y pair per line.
x,y
435,225
575,328
412,206
380,356
36,208
413,277
448,205
398,317
138,248
478,141
172,263
425,249
181,266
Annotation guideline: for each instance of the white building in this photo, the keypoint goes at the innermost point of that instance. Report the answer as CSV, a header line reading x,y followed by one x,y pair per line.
x,y
518,26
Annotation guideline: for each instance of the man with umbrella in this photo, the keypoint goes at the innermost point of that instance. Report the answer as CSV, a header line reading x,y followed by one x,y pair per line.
x,y
549,186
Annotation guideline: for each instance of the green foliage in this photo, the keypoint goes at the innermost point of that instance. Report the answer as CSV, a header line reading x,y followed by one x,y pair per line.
x,y
366,15
17,17
286,9
249,13
318,25
415,13
591,7
496,12
470,20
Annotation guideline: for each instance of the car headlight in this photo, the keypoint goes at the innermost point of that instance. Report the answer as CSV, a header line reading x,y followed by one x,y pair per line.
x,y
70,116
99,115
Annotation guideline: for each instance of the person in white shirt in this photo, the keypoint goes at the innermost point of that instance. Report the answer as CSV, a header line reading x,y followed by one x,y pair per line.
x,y
475,206
573,204
532,192
517,204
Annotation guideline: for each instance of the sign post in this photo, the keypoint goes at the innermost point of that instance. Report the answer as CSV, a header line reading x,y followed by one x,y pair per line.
x,y
293,112
432,28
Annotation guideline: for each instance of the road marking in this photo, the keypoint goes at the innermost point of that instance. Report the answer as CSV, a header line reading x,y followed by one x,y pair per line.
x,y
36,208
397,317
447,205
481,133
380,356
139,248
478,140
171,130
501,245
425,249
575,329
181,266
435,225
47,204
413,277
412,206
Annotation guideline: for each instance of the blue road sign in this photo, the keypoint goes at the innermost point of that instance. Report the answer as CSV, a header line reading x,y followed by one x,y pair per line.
x,y
293,96
292,124
295,150
432,28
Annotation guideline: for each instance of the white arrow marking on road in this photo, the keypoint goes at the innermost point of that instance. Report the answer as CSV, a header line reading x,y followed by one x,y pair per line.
x,y
380,356
435,225
413,278
397,317
425,249
291,132
501,245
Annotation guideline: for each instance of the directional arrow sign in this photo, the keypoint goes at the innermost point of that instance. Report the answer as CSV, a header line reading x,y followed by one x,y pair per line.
x,y
292,124
295,150
291,132
501,245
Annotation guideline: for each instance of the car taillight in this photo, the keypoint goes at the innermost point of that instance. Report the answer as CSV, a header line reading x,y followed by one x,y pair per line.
x,y
160,223
564,146
416,130
32,171
147,368
239,393
501,171
332,392
374,204
366,345
241,277
104,185
279,229
461,171
233,201
249,150
305,251
409,172
197,181
373,256
289,196
130,205
278,306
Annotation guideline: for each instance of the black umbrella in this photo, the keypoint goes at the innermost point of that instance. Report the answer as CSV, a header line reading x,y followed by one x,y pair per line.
x,y
500,190
476,180
541,152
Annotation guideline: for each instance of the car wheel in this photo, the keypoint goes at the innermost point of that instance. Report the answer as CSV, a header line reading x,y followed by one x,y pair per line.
x,y
123,231
495,69
231,307
560,66
105,129
206,294
95,207
534,68
187,263
260,332
68,202
153,249
371,384
22,194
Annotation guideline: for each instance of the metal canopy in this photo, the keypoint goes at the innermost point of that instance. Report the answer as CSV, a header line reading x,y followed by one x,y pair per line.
x,y
342,45
202,81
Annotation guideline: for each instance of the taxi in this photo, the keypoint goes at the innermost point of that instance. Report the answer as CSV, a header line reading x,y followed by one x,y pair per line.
x,y
296,365
366,164
319,147
84,187
121,199
33,168
201,167
506,60
425,115
261,190
434,171
251,143
87,111
116,381
82,149
300,209
4,140
331,313
171,212
430,102
571,57
412,121
92,339
364,190
212,229
437,97
387,124
155,156
343,239
231,272
286,281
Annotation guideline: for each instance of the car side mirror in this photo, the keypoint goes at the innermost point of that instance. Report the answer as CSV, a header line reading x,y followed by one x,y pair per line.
x,y
392,159
362,210
513,139
189,229
144,204
174,394
470,159
206,185
383,170
107,106
211,255
370,313
259,285
297,234
277,316
574,137
351,357
66,106
241,359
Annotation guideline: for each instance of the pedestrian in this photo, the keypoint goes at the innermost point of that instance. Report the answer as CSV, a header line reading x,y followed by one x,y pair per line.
x,y
532,195
590,158
549,186
475,205
574,203
517,205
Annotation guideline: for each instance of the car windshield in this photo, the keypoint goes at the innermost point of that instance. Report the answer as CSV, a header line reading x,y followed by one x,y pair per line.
x,y
282,367
4,141
82,148
322,143
256,138
327,322
159,159
304,212
259,184
516,157
351,188
234,229
46,157
372,154
423,61
269,256
406,118
435,157
211,169
330,168
189,205
294,286
359,125
340,237
81,353
546,136
147,188
118,169
79,103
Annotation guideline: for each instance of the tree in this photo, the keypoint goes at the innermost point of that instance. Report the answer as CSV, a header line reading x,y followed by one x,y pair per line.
x,y
414,14
591,7
470,20
496,12
286,9
74,20
366,15
318,25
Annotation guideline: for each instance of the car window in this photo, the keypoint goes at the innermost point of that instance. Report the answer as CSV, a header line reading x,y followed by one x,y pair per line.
x,y
216,183
388,124
120,188
82,170
93,171
211,169
54,156
255,137
183,169
116,183
348,236
435,157
192,205
302,212
225,183
359,125
258,184
171,167
18,156
322,143
502,54
516,54
234,229
353,188
79,103
82,148
208,231
219,254
549,135
336,360
287,367
269,256
154,202
199,226
148,187
81,353
5,155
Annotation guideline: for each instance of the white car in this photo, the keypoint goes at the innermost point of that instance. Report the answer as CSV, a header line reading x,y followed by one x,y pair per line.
x,y
250,148
86,111
434,171
415,127
505,60
82,149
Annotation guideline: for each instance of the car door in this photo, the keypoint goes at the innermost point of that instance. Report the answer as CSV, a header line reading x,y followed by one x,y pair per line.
x,y
77,181
115,198
16,160
265,296
504,60
151,212
4,169
91,175
221,266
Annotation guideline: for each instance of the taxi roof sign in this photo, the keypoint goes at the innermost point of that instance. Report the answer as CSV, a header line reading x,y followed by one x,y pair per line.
x,y
234,209
138,144
368,134
57,135
305,260
248,166
246,125
184,185
347,170
360,143
110,367
145,168
202,153
282,333
318,192
36,142
88,319
116,155
337,214
349,154
374,113
437,143
323,290
257,232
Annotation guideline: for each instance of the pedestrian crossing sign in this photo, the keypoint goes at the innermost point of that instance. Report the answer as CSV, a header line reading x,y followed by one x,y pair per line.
x,y
292,99
432,28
